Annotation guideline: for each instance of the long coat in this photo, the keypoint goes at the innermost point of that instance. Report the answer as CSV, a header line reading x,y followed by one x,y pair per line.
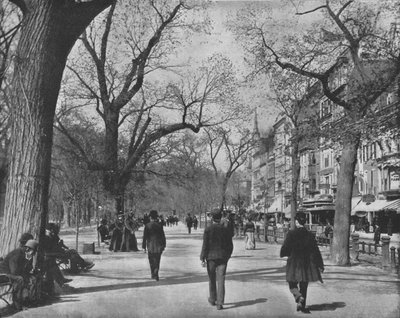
x,y
15,263
154,237
217,243
304,258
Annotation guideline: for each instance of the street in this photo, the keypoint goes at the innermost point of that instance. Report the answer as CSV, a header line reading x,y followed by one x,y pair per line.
x,y
120,286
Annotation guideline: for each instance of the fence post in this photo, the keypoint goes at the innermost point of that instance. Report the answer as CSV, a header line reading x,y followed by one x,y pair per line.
x,y
363,246
385,251
355,237
398,261
370,248
393,257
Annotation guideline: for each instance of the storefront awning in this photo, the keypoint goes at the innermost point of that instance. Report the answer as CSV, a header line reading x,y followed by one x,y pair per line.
x,y
325,207
276,206
288,211
377,205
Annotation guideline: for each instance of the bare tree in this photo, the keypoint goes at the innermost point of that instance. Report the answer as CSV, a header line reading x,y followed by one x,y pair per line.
x,y
291,94
132,107
233,145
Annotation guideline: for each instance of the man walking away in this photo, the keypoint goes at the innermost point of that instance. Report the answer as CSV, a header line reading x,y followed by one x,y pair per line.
x,y
154,241
304,263
216,250
189,223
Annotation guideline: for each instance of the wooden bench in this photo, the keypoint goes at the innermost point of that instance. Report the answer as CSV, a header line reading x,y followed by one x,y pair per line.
x,y
5,288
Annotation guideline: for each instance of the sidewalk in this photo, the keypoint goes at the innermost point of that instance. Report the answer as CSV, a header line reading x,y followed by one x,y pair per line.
x,y
120,286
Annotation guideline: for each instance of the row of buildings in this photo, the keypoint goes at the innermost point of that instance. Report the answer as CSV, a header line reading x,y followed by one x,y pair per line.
x,y
376,189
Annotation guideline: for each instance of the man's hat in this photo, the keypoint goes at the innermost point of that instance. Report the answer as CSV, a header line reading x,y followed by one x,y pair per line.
x,y
216,214
153,214
33,244
25,238
301,217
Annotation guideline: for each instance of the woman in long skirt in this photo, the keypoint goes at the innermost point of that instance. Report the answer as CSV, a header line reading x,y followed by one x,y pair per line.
x,y
249,229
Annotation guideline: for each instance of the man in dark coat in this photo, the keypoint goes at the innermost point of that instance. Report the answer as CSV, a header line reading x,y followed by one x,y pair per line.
x,y
216,250
154,241
19,267
189,222
54,244
304,263
104,231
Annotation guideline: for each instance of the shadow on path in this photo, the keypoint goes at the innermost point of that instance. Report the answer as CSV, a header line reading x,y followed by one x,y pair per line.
x,y
327,306
245,303
189,278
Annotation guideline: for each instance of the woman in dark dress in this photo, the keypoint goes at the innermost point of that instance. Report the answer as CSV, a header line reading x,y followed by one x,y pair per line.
x,y
304,263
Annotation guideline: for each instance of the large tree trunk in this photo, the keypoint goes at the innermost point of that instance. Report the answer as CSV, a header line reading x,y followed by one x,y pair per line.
x,y
224,188
49,30
341,229
295,181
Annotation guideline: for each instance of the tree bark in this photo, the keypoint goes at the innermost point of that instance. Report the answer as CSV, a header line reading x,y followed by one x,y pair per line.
x,y
341,230
49,30
295,181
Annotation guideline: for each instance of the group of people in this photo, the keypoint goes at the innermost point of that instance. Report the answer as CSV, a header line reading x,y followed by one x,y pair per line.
x,y
29,279
191,221
120,235
304,262
172,220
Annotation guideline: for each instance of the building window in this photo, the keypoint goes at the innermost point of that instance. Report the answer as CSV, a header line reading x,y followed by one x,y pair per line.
x,y
326,160
372,179
325,108
373,150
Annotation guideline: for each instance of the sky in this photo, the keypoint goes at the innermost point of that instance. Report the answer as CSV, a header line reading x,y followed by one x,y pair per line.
x,y
222,40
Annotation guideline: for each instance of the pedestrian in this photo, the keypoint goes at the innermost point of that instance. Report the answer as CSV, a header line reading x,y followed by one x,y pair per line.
x,y
117,231
63,252
154,241
328,230
249,229
390,227
304,263
104,232
189,223
216,251
377,234
195,222
129,242
366,226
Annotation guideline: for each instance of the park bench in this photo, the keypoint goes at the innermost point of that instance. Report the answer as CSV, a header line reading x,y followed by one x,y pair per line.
x,y
5,288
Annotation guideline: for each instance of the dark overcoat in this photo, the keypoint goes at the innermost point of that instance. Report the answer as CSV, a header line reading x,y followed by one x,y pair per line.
x,y
15,263
154,237
304,258
217,243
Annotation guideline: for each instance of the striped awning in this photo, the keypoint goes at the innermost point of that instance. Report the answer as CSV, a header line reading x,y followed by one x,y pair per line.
x,y
377,205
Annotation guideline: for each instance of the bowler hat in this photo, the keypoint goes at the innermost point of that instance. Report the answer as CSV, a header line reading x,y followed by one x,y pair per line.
x,y
153,214
25,238
216,214
301,217
33,244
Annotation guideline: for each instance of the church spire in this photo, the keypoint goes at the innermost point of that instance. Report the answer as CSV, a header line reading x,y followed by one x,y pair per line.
x,y
255,128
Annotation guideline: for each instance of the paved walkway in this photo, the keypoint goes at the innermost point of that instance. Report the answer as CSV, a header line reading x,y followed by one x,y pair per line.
x,y
120,286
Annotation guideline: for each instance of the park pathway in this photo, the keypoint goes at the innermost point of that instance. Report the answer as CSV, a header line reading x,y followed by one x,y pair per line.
x,y
120,286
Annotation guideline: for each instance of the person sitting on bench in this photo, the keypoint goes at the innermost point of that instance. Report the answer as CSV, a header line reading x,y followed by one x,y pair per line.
x,y
56,247
19,266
